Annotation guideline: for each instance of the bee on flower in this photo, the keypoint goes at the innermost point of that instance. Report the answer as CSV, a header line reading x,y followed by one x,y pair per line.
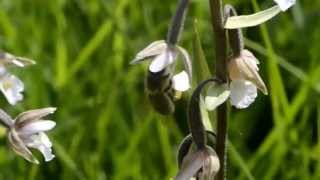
x,y
10,85
163,85
27,130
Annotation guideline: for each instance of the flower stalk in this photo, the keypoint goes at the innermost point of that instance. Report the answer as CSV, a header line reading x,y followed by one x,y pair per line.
x,y
235,35
177,23
220,42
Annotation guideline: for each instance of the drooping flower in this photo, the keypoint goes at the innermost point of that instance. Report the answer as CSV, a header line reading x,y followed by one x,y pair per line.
x,y
10,85
245,80
27,130
164,56
200,164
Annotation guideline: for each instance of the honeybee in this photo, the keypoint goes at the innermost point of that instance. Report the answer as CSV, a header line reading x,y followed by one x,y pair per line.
x,y
162,84
160,91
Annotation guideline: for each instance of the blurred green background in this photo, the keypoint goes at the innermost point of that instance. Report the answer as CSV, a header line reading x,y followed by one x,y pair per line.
x,y
106,126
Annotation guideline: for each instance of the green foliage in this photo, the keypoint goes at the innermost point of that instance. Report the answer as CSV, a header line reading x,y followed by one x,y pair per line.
x,y
106,127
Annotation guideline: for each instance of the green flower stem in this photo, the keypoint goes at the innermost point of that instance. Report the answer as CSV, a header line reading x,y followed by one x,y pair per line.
x,y
220,42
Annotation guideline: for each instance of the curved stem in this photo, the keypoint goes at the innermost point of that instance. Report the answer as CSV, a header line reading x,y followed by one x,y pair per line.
x,y
177,23
220,42
196,126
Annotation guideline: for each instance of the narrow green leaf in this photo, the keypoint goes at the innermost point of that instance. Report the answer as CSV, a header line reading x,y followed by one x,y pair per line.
x,y
201,68
216,95
258,18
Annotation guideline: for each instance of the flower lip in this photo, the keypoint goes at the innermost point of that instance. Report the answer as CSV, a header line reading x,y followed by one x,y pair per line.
x,y
181,81
243,93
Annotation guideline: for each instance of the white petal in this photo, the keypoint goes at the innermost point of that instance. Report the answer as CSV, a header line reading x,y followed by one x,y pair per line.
x,y
11,87
285,4
42,143
243,93
36,127
162,60
191,164
211,165
33,115
7,58
181,81
3,70
151,50
216,95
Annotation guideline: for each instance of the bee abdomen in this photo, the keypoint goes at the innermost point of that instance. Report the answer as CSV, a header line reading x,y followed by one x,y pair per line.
x,y
162,102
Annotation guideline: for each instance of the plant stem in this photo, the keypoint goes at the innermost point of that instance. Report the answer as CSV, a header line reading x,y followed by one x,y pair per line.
x,y
217,20
177,23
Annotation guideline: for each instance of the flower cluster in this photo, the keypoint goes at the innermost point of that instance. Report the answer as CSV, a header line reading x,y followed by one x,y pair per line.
x,y
239,83
28,129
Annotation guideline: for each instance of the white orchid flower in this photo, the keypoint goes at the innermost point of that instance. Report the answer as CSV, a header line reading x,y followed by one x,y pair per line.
x,y
245,80
27,130
10,85
162,56
200,164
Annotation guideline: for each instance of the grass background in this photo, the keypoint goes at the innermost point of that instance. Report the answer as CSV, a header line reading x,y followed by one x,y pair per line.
x,y
106,126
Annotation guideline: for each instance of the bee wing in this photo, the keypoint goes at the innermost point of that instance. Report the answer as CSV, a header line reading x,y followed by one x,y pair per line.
x,y
151,50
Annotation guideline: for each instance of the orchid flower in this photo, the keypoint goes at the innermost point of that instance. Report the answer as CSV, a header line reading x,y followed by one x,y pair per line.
x,y
245,80
164,56
201,164
27,130
10,85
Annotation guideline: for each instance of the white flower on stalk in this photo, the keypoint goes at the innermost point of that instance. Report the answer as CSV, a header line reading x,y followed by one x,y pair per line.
x,y
10,85
27,130
162,56
201,164
245,80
